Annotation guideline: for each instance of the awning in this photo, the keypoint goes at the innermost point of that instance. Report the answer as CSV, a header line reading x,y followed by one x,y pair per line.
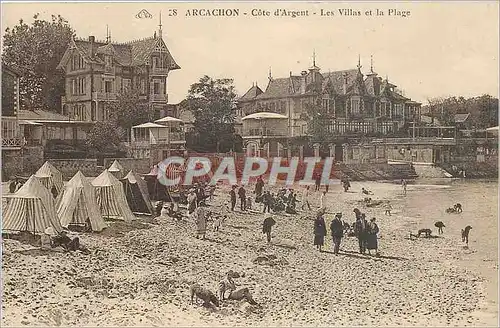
x,y
264,115
169,119
148,125
25,122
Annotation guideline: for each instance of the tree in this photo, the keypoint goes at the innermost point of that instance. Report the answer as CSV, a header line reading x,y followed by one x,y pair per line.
x,y
35,51
212,103
128,111
105,137
318,122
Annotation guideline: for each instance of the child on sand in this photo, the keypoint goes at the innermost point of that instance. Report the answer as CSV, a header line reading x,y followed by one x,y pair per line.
x,y
388,208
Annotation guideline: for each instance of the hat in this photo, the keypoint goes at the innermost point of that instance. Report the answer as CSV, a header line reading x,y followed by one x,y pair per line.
x,y
373,219
50,231
338,214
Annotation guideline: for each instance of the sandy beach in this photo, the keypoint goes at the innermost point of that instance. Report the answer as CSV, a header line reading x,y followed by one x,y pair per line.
x,y
139,274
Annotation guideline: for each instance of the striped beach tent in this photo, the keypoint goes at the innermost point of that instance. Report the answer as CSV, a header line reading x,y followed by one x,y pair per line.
x,y
117,169
30,209
157,191
111,198
77,204
137,194
50,177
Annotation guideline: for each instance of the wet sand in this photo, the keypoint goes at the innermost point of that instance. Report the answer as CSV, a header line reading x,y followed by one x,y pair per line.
x,y
139,274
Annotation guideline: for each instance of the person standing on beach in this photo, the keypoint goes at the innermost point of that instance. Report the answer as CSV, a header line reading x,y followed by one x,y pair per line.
x,y
322,200
305,199
232,193
360,230
200,219
259,186
337,231
388,208
403,185
371,237
267,225
319,230
266,200
243,198
191,199
318,183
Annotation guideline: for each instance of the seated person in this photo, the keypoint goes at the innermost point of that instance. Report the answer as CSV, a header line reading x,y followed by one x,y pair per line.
x,y
173,211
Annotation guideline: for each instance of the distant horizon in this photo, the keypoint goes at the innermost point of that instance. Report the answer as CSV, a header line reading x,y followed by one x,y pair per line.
x,y
441,50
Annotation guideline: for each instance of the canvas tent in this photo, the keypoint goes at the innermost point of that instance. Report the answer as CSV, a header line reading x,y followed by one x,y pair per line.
x,y
157,191
30,209
117,169
78,203
111,198
137,194
50,177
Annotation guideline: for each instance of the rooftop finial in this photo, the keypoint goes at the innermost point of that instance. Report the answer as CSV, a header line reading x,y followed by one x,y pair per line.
x,y
314,57
160,31
359,61
107,34
371,63
270,74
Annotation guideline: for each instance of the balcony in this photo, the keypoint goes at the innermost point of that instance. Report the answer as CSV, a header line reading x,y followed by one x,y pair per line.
x,y
417,141
110,70
104,96
12,143
159,71
159,97
265,133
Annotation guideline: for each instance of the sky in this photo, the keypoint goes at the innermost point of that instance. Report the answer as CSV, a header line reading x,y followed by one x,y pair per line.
x,y
441,49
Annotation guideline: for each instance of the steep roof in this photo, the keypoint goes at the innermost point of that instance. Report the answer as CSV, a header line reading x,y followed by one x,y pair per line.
x,y
253,92
336,79
134,53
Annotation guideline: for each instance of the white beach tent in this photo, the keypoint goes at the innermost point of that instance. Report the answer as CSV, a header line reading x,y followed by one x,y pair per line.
x,y
78,203
137,194
31,209
117,169
49,176
111,198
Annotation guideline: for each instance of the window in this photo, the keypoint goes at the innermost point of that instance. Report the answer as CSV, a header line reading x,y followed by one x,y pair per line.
x,y
156,88
143,86
126,84
108,86
355,110
156,62
77,62
326,105
108,61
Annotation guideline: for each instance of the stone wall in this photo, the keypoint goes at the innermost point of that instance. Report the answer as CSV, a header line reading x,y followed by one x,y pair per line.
x,y
69,167
10,164
31,159
139,165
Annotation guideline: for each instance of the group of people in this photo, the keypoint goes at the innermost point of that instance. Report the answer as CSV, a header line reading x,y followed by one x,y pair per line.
x,y
365,231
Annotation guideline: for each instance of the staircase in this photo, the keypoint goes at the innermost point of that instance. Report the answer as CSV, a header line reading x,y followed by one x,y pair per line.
x,y
431,171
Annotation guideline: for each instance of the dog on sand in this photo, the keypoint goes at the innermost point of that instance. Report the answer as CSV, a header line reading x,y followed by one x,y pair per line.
x,y
440,225
204,294
465,234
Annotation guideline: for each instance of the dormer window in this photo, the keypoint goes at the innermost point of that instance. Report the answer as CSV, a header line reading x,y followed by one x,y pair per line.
x,y
108,60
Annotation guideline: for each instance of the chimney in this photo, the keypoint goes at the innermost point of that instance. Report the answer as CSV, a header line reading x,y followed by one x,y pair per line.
x,y
92,45
91,38
303,82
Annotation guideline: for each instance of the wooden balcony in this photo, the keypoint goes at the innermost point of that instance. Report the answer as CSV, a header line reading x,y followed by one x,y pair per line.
x,y
158,98
104,96
159,71
265,133
12,143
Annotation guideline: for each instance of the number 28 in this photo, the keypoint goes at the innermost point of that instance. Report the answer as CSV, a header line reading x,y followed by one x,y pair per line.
x,y
172,12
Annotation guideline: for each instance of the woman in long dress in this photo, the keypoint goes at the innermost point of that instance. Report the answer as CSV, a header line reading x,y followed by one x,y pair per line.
x,y
200,218
319,231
